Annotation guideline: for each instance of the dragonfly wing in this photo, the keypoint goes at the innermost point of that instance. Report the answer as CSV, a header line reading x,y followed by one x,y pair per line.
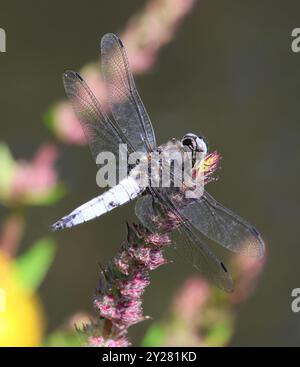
x,y
204,259
102,134
146,212
223,226
216,222
192,247
125,103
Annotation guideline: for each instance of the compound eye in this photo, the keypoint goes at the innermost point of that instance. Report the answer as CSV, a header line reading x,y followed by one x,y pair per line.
x,y
189,143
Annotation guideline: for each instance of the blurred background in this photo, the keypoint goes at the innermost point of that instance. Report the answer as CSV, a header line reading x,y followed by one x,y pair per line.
x,y
223,69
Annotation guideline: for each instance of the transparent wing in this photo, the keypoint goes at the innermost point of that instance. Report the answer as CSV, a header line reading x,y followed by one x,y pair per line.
x,y
147,212
125,103
223,226
216,222
193,248
204,260
101,132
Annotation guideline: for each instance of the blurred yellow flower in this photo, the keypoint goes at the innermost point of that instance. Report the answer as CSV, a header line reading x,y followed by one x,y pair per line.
x,y
21,314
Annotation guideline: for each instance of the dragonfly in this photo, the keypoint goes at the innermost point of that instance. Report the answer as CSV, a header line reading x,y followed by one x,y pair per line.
x,y
198,219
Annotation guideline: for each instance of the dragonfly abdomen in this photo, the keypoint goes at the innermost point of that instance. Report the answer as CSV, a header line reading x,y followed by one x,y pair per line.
x,y
126,190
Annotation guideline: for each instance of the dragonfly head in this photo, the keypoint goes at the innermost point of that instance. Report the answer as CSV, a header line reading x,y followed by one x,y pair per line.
x,y
195,143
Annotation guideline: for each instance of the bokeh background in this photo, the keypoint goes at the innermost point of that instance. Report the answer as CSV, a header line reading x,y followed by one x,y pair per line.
x,y
228,73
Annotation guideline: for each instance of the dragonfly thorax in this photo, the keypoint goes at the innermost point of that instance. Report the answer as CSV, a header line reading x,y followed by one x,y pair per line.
x,y
164,165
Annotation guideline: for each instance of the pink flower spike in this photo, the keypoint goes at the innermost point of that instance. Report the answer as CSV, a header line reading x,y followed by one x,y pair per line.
x,y
123,282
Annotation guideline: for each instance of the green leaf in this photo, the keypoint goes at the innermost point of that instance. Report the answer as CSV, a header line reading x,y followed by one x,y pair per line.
x,y
7,165
48,117
56,194
219,334
155,336
48,198
63,338
33,265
